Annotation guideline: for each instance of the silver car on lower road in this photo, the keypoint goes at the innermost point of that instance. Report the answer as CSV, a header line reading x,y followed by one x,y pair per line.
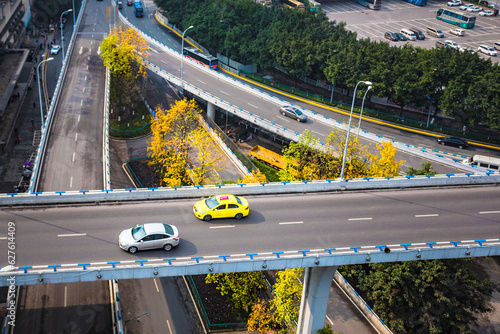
x,y
149,236
293,112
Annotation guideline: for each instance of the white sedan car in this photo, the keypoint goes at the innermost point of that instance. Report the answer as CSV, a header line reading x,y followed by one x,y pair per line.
x,y
55,49
454,3
486,13
474,9
457,32
466,6
453,45
487,50
149,236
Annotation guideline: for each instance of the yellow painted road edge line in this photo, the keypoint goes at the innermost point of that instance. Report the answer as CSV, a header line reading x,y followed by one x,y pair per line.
x,y
369,119
175,32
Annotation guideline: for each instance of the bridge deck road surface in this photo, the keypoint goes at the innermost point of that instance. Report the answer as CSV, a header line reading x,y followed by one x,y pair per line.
x,y
64,308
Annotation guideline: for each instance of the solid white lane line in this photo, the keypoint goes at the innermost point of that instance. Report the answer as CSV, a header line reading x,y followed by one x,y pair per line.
x,y
291,223
71,182
224,226
156,285
429,215
354,219
169,328
487,212
284,119
3,238
72,235
76,136
319,133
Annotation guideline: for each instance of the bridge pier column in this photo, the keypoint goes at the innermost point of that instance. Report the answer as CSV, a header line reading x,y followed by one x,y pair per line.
x,y
211,110
317,282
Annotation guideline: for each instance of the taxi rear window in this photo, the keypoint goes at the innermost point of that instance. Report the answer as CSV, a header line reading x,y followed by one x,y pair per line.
x,y
238,200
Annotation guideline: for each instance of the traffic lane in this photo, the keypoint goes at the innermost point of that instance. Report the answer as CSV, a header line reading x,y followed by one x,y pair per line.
x,y
163,301
63,308
275,223
75,163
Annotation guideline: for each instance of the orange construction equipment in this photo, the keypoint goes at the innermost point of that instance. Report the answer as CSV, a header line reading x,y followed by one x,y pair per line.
x,y
270,157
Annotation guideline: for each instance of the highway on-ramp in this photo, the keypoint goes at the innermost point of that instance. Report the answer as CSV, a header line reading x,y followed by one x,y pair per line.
x,y
73,159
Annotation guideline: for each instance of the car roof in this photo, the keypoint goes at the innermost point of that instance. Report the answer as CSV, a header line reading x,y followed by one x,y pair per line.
x,y
226,198
152,228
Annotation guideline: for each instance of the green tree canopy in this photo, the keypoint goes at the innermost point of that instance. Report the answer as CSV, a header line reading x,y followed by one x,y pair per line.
x,y
437,296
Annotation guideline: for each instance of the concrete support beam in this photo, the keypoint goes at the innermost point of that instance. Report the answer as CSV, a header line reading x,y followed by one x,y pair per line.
x,y
211,110
317,282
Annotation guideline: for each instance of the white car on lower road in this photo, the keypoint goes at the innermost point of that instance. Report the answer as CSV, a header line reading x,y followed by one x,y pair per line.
x,y
55,49
454,3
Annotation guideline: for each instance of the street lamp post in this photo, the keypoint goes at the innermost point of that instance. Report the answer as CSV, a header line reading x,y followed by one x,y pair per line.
x,y
182,57
361,113
349,127
39,90
229,31
62,33
74,18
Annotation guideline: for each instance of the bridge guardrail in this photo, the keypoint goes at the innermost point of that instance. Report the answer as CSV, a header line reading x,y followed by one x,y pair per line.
x,y
161,193
196,265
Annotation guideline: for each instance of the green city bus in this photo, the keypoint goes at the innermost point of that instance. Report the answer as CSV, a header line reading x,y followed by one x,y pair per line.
x,y
456,18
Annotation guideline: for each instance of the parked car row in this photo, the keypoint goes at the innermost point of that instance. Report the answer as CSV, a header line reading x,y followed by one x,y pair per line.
x,y
410,34
473,8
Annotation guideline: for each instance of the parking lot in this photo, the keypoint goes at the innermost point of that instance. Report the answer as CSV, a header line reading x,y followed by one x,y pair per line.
x,y
398,14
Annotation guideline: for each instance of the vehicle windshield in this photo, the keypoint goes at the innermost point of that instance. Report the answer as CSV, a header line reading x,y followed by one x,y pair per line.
x,y
138,232
211,202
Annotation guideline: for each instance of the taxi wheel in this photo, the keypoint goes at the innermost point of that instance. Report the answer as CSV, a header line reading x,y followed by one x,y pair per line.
x,y
238,216
207,218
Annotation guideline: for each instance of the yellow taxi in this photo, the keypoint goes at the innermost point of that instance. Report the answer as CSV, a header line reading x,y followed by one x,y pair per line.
x,y
221,206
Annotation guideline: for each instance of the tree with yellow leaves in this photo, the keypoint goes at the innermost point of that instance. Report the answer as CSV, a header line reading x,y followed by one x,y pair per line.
x,y
261,318
255,176
176,132
309,160
122,52
207,162
386,165
287,295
